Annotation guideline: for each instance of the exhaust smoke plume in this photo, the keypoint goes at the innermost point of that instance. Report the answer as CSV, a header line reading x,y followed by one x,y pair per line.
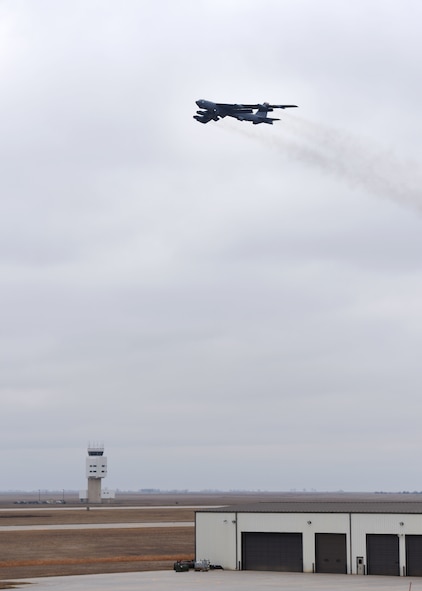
x,y
356,161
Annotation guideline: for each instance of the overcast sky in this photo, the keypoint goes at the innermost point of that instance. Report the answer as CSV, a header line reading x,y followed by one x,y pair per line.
x,y
224,306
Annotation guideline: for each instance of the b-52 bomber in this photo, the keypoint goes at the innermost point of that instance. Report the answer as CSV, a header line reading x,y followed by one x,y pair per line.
x,y
214,111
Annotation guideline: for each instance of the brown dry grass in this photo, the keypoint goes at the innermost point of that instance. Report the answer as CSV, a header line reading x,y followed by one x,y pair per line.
x,y
28,553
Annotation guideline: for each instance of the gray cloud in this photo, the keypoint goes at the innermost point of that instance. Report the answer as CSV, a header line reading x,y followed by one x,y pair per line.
x,y
238,296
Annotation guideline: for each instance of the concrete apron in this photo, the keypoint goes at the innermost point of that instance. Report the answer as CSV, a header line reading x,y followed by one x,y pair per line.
x,y
223,581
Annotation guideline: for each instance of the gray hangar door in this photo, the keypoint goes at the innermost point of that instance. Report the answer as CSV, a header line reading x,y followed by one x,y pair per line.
x,y
382,554
330,551
272,551
414,556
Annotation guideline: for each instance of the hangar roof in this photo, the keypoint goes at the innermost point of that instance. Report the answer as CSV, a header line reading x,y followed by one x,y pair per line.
x,y
307,506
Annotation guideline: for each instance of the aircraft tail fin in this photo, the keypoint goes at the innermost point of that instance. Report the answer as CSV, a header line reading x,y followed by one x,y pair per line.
x,y
263,110
262,113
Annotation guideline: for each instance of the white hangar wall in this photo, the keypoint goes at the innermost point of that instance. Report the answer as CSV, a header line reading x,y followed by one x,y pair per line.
x,y
400,524
215,538
219,534
305,523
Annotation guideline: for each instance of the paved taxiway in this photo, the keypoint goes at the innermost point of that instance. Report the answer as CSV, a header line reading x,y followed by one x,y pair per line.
x,y
97,526
104,508
223,581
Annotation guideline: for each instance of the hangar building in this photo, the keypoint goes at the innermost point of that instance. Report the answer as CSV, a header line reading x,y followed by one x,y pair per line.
x,y
354,537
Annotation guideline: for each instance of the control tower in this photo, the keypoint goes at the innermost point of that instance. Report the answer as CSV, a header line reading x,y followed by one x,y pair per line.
x,y
96,469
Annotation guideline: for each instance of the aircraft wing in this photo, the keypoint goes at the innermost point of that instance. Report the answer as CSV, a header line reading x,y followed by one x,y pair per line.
x,y
257,106
233,108
238,107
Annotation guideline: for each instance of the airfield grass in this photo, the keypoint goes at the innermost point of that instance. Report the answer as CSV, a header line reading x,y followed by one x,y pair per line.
x,y
28,517
42,553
